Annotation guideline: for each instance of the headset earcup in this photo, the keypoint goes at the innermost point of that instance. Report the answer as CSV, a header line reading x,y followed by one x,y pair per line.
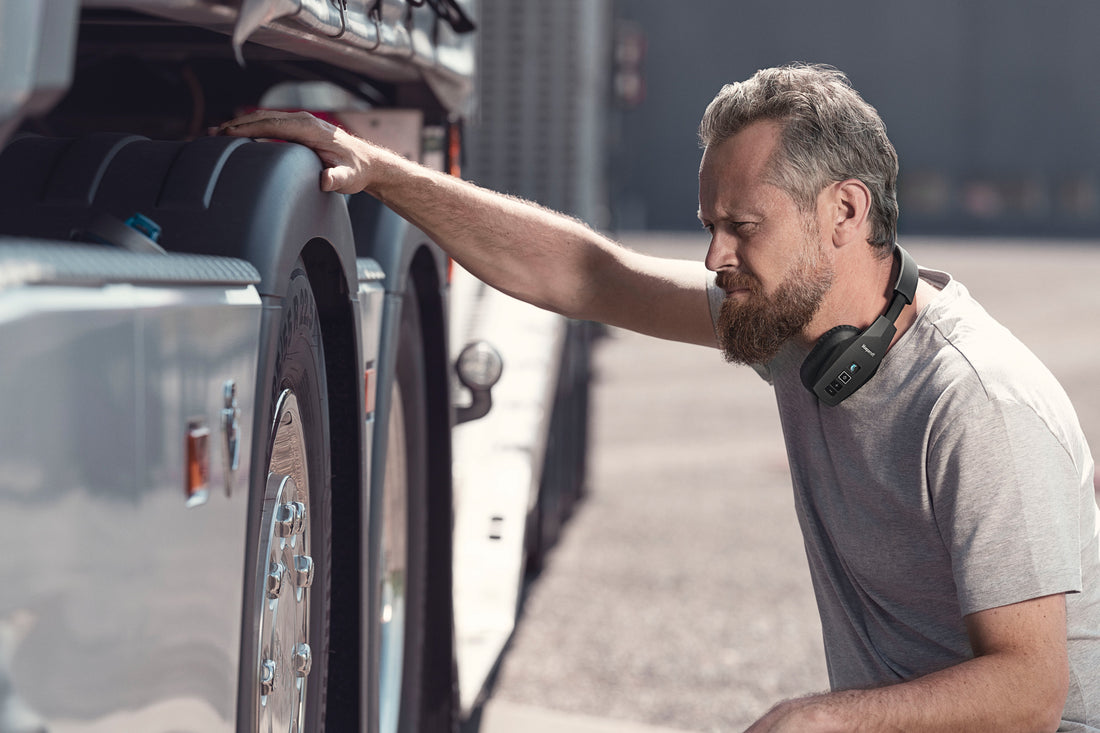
x,y
827,349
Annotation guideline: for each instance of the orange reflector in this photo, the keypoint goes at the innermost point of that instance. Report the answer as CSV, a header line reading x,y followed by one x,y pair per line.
x,y
454,150
197,488
368,390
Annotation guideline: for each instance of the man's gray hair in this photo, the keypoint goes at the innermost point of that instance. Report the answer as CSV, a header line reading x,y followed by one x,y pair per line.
x,y
829,134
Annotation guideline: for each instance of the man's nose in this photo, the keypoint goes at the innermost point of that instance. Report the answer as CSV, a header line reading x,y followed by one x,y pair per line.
x,y
722,252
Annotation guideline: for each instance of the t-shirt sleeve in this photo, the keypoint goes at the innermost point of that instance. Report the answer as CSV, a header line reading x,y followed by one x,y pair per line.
x,y
1004,494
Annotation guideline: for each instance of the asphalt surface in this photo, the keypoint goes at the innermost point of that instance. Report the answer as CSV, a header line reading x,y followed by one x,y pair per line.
x,y
679,596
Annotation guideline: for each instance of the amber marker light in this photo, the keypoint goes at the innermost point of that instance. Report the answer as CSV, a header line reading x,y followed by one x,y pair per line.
x,y
454,167
454,150
197,488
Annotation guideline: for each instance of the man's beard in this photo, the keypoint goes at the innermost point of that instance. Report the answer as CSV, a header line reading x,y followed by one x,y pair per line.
x,y
752,329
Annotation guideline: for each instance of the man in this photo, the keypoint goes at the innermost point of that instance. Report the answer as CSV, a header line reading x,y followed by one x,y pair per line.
x,y
947,505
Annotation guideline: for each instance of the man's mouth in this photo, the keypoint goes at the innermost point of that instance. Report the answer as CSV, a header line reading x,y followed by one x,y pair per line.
x,y
736,283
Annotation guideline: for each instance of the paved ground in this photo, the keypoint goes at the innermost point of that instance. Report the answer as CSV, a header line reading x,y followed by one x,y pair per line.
x,y
679,595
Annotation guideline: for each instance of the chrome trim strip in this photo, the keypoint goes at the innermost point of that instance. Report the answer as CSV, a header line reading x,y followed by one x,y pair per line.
x,y
37,262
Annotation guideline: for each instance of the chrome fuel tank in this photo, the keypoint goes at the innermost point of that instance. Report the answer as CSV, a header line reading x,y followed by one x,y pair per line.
x,y
122,587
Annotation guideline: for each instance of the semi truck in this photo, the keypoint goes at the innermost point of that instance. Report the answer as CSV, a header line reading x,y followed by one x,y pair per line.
x,y
269,460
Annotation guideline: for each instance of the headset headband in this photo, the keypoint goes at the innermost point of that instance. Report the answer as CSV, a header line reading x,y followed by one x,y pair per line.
x,y
844,358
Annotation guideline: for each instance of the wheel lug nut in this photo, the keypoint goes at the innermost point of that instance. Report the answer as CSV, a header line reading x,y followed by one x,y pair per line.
x,y
290,518
284,520
275,580
303,659
299,517
267,677
303,571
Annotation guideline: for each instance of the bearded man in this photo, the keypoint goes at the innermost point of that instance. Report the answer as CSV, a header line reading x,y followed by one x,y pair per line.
x,y
946,503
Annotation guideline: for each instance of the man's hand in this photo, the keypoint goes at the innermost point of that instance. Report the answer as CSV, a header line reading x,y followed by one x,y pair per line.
x,y
792,716
1017,681
347,159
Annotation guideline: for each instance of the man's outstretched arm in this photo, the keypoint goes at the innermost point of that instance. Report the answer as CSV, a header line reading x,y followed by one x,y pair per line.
x,y
537,255
1017,681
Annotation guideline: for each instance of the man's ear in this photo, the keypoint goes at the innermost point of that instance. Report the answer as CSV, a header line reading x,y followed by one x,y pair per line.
x,y
850,206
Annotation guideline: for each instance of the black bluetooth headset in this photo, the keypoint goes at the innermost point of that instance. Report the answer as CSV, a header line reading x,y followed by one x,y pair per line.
x,y
845,358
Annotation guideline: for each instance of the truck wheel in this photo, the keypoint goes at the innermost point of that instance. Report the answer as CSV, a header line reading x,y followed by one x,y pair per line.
x,y
294,552
404,534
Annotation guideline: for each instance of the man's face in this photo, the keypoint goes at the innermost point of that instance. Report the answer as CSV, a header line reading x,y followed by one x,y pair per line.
x,y
753,327
767,253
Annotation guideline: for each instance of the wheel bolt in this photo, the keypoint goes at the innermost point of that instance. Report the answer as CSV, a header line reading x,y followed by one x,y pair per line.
x,y
275,580
284,520
303,659
290,518
267,677
303,571
299,517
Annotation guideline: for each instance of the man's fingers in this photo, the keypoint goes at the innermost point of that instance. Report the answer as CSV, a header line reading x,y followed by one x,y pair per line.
x,y
294,126
266,115
330,144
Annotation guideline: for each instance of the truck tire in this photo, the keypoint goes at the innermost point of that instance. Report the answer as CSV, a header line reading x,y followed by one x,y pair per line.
x,y
404,533
293,569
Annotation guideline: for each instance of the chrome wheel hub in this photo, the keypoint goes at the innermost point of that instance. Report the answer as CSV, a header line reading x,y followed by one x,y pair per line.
x,y
285,657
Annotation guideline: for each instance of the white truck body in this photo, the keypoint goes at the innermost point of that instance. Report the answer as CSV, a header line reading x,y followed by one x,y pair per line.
x,y
136,382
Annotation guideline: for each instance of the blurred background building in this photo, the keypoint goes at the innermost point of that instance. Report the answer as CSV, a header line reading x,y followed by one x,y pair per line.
x,y
592,106
544,103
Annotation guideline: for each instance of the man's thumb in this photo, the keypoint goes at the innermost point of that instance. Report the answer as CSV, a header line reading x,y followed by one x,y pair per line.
x,y
337,178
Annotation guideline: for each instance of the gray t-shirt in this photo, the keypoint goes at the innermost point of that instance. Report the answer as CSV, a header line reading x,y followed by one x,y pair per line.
x,y
954,481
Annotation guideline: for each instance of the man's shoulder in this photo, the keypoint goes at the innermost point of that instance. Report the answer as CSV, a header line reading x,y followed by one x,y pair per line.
x,y
971,364
960,342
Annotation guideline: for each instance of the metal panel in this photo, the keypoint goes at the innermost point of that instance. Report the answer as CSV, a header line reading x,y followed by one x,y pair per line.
x,y
37,40
497,470
121,604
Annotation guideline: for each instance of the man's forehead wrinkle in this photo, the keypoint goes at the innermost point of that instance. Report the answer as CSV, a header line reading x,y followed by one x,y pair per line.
x,y
733,187
736,206
715,211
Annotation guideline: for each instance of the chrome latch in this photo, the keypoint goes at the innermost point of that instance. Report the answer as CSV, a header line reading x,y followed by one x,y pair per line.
x,y
231,430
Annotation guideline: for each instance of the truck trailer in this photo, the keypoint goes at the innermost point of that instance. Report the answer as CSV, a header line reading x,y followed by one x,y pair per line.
x,y
269,461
